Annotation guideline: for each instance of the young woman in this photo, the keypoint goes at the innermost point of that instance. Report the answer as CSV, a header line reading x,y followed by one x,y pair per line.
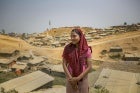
x,y
77,63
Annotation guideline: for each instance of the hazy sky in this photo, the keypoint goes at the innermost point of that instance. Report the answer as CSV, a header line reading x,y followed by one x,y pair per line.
x,y
34,15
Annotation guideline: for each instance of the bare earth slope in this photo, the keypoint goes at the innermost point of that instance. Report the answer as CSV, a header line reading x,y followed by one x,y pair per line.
x,y
130,42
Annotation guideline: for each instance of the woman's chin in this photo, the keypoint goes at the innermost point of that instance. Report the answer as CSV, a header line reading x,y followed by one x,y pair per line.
x,y
74,43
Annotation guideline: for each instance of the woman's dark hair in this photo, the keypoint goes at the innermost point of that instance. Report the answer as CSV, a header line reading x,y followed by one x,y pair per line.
x,y
76,31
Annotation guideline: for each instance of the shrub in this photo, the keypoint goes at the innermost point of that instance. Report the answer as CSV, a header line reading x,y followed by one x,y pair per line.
x,y
103,52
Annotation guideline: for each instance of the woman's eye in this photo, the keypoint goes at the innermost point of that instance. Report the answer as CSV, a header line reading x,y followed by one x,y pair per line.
x,y
73,36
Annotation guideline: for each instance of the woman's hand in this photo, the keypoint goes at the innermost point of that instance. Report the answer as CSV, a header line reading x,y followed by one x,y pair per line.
x,y
73,81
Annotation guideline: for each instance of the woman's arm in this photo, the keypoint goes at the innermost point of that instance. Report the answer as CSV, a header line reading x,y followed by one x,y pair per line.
x,y
89,67
84,73
66,69
73,83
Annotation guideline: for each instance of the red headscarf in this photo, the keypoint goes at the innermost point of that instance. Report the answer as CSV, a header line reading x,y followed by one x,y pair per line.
x,y
74,56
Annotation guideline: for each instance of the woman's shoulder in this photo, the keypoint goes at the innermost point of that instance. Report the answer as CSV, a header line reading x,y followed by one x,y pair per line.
x,y
89,52
89,49
68,45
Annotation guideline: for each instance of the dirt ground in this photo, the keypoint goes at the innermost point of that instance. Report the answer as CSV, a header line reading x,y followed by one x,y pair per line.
x,y
130,42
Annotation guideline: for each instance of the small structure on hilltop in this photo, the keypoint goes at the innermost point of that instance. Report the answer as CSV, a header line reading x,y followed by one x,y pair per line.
x,y
115,52
131,57
63,43
88,38
92,32
104,34
40,37
57,38
28,82
97,37
116,49
120,28
56,44
108,31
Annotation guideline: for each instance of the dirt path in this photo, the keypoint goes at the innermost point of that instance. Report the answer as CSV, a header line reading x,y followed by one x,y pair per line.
x,y
103,42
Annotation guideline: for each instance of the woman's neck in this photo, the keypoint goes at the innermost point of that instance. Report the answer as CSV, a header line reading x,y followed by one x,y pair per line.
x,y
76,45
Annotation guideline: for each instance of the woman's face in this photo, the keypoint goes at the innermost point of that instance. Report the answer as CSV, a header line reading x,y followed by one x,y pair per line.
x,y
75,38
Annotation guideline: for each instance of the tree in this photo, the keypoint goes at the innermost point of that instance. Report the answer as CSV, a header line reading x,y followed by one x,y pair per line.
x,y
3,31
23,36
101,90
125,23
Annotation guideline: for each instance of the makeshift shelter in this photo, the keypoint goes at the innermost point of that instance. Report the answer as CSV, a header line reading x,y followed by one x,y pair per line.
x,y
35,62
115,49
118,81
115,52
20,66
24,57
63,43
56,44
131,57
28,82
7,63
8,53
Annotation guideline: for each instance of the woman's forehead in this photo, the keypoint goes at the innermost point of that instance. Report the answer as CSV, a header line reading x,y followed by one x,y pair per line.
x,y
74,33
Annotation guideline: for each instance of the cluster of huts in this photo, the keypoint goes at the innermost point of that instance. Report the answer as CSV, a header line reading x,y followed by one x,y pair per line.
x,y
117,51
100,33
46,40
19,62
33,71
61,40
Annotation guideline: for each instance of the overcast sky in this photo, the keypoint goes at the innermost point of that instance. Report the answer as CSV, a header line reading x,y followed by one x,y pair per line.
x,y
33,15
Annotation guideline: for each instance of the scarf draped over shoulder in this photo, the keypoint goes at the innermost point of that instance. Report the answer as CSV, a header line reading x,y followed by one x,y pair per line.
x,y
75,57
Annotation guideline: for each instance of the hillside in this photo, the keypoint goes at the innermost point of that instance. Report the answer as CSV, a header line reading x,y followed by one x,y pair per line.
x,y
64,30
10,43
130,42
